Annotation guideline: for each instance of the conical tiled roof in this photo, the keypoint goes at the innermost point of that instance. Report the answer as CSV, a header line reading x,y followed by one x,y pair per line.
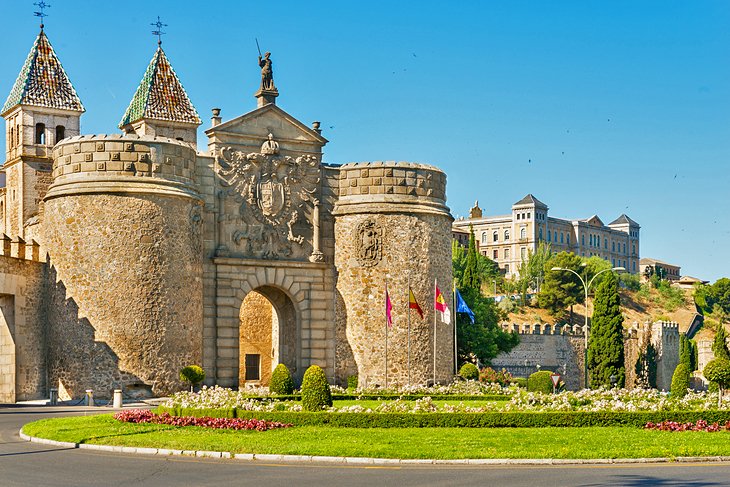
x,y
42,82
160,96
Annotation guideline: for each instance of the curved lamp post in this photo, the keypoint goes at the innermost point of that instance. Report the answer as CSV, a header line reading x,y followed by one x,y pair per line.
x,y
586,287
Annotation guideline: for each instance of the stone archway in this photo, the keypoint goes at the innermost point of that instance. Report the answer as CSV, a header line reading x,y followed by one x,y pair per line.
x,y
7,349
267,335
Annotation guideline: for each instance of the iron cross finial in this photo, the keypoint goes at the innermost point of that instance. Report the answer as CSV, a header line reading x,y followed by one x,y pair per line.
x,y
42,6
158,32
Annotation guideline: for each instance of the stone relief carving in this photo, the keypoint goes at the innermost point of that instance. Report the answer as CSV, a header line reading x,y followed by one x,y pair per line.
x,y
196,225
369,243
274,192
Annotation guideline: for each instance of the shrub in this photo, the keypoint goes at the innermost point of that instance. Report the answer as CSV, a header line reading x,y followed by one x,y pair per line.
x,y
469,371
680,380
520,381
316,393
489,375
281,381
540,382
194,374
352,382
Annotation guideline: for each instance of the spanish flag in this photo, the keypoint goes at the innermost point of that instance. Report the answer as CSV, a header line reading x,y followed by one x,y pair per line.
x,y
413,304
441,307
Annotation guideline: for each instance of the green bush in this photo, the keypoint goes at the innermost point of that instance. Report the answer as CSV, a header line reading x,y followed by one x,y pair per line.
x,y
352,382
194,374
281,381
316,393
520,381
469,371
540,382
680,380
489,375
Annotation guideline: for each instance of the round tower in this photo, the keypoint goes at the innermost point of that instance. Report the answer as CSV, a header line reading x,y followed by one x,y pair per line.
x,y
392,226
123,222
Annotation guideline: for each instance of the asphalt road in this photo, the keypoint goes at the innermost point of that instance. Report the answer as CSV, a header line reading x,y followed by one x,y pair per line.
x,y
27,464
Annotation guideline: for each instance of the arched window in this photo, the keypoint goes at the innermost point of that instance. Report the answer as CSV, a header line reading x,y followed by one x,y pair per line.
x,y
484,237
567,238
540,233
506,234
562,235
613,246
60,133
495,236
549,236
40,133
506,268
506,253
605,243
523,233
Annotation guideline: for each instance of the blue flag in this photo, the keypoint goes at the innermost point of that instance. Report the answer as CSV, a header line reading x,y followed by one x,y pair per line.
x,y
461,307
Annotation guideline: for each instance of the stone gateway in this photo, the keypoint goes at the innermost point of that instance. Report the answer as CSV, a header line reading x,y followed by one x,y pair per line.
x,y
126,257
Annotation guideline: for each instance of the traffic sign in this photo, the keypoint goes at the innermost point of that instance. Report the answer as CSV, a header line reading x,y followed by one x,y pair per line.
x,y
556,379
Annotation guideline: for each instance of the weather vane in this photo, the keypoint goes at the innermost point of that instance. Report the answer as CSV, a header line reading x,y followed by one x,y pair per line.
x,y
42,6
158,32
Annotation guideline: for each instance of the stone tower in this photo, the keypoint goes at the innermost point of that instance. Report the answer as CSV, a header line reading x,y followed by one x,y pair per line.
x,y
41,110
123,225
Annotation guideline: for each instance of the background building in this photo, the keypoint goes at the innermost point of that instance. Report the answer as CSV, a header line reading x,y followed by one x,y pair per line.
x,y
648,267
509,239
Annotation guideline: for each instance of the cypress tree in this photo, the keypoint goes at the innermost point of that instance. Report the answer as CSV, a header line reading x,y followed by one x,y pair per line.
x,y
685,351
606,342
719,345
471,277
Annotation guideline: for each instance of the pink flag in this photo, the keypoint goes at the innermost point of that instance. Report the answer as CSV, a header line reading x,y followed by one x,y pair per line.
x,y
388,308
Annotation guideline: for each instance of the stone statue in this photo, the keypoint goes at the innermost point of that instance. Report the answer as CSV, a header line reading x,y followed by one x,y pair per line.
x,y
270,147
267,73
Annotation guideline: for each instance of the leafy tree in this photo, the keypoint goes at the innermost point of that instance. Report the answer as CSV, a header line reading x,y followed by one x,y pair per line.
x,y
471,277
194,374
484,339
605,343
532,270
687,352
561,289
717,371
486,269
719,344
592,266
680,380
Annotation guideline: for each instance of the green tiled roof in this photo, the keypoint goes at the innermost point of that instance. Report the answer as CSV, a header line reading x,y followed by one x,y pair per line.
x,y
42,82
160,96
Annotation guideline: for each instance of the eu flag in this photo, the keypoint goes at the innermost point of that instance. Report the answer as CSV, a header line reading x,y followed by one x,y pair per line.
x,y
461,307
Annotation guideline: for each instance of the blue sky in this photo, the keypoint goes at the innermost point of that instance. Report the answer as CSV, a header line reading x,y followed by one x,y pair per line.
x,y
595,107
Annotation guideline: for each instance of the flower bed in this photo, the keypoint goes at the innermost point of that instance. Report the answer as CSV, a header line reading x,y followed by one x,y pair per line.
x,y
700,425
147,416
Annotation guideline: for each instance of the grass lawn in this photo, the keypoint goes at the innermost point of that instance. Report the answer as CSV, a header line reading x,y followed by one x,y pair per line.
x,y
446,443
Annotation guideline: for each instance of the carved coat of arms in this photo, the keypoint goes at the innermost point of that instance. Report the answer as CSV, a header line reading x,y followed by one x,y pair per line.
x,y
369,243
273,190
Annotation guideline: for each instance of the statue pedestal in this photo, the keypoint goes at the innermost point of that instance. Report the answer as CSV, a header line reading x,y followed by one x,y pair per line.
x,y
264,97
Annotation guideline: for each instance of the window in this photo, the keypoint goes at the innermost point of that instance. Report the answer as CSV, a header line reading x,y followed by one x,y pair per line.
x,y
633,249
590,239
506,234
523,253
528,216
624,248
518,216
523,233
484,237
549,236
561,237
567,238
613,246
605,243
555,236
506,253
40,133
613,262
12,136
540,233
495,236
253,366
582,239
60,133
633,266
506,268
495,254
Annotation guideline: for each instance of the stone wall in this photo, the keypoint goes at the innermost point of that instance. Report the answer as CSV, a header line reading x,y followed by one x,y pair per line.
x,y
122,226
391,224
257,320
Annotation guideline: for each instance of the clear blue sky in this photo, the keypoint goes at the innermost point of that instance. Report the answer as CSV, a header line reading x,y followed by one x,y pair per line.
x,y
596,107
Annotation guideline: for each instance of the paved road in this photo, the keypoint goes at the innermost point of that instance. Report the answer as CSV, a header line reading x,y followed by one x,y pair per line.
x,y
27,464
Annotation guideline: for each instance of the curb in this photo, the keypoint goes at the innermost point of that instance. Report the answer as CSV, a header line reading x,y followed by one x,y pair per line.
x,y
364,461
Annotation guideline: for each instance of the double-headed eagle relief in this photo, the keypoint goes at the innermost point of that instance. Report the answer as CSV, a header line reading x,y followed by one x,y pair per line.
x,y
275,192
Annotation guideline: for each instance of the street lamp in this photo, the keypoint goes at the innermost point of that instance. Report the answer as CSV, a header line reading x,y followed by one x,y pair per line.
x,y
586,287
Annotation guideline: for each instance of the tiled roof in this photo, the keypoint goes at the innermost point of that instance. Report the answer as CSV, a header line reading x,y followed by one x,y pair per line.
x,y
42,82
530,200
622,220
160,96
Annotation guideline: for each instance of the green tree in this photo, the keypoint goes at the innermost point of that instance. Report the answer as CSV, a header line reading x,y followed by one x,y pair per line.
x,y
605,343
561,289
592,266
685,350
680,380
532,270
719,344
486,269
717,371
645,368
471,277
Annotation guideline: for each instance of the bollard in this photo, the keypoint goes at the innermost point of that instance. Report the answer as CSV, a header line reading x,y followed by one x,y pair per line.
x,y
89,400
53,401
117,398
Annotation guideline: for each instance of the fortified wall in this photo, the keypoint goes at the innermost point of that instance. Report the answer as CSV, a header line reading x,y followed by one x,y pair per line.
x,y
560,348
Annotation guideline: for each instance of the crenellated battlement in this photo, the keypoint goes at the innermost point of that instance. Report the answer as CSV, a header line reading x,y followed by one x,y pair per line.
x,y
544,329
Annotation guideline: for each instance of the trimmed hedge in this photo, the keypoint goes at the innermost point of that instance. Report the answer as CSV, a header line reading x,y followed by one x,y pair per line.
x,y
540,382
389,397
680,380
316,393
463,420
281,382
469,371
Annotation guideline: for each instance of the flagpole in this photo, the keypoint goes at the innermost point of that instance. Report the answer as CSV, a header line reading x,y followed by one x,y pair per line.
x,y
456,351
386,332
435,285
409,328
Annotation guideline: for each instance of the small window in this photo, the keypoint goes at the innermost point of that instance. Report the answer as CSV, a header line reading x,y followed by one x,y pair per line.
x,y
582,239
523,233
12,136
495,254
613,246
605,243
528,216
555,236
253,366
567,238
624,248
523,253
506,253
484,237
540,233
60,133
550,236
506,234
40,133
506,268
495,236
633,266
518,216
562,235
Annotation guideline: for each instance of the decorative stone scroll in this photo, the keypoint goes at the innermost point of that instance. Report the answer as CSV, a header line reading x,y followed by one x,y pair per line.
x,y
274,191
369,243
